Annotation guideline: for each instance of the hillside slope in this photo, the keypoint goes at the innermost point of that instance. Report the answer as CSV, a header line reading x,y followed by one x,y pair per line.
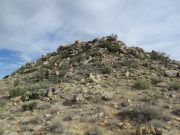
x,y
93,88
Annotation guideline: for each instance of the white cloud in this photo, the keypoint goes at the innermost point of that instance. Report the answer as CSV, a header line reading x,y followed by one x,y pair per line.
x,y
36,27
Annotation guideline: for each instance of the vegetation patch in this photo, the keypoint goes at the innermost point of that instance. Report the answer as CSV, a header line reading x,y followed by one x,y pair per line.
x,y
177,112
142,114
56,126
105,70
175,86
93,131
158,56
112,47
17,91
30,105
2,130
130,63
142,84
35,91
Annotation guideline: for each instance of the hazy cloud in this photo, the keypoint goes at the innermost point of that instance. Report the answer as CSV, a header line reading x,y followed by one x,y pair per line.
x,y
32,28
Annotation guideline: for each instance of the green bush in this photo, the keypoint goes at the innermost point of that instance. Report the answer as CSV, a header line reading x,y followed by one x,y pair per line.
x,y
75,60
38,119
17,91
94,52
130,63
56,126
106,70
30,105
177,112
93,131
142,114
36,94
112,47
142,84
158,56
175,86
2,104
35,91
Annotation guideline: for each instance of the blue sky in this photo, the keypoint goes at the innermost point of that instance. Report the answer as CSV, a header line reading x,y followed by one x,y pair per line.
x,y
30,28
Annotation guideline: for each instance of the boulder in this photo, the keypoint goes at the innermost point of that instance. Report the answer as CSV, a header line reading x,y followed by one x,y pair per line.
x,y
107,96
171,73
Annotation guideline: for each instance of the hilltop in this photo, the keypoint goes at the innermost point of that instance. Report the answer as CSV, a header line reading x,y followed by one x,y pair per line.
x,y
98,87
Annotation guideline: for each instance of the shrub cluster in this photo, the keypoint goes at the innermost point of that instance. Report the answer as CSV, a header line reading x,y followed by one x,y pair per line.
x,y
142,84
158,56
175,86
30,105
142,114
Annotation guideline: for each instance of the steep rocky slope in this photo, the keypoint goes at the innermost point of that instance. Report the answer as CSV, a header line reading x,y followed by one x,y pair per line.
x,y
93,88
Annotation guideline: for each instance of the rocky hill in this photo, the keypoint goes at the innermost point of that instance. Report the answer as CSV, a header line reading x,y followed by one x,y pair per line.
x,y
99,87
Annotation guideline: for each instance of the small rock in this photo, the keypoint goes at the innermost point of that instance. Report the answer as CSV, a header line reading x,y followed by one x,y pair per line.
x,y
77,42
45,62
95,78
48,116
127,74
125,103
168,106
172,95
107,96
78,98
152,130
139,131
171,73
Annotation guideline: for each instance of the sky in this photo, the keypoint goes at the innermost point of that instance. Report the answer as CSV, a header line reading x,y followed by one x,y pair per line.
x,y
30,28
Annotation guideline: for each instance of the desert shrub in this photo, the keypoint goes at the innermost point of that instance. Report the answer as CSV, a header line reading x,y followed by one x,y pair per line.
x,y
2,103
41,74
39,62
16,82
35,91
94,52
70,133
75,60
2,129
44,106
17,91
142,84
68,116
62,73
158,56
177,112
175,86
38,119
93,131
64,53
105,70
26,128
28,71
142,114
30,105
55,109
112,47
157,123
35,94
49,65
156,80
56,126
64,66
130,63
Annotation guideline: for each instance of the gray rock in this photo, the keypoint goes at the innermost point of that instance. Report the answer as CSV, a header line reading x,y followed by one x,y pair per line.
x,y
107,96
171,73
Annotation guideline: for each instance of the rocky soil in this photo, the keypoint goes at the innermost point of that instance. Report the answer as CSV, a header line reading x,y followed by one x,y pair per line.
x,y
99,87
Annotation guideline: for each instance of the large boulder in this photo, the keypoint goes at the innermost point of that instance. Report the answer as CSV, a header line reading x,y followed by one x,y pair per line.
x,y
171,73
